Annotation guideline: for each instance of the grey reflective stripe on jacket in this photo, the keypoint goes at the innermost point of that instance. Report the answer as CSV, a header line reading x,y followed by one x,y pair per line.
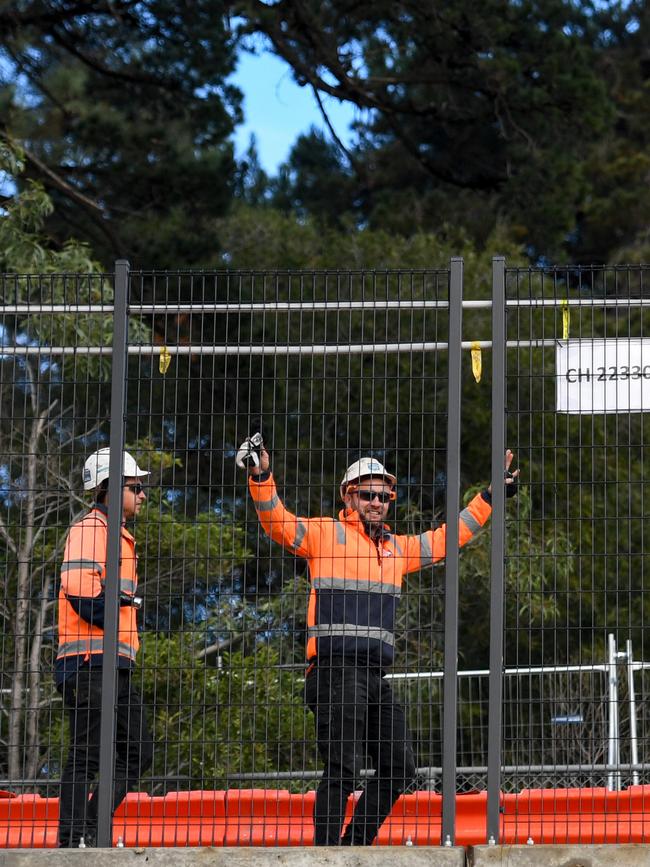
x,y
356,585
69,565
301,530
93,645
267,505
351,630
126,585
426,555
470,521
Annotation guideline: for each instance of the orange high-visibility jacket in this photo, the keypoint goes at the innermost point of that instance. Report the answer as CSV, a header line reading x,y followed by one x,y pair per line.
x,y
355,581
83,573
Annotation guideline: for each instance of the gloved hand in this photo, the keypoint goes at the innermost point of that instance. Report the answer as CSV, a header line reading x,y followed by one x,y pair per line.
x,y
511,483
511,479
248,453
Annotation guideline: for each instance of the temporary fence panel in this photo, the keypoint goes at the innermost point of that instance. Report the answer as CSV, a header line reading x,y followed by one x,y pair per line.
x,y
55,411
329,367
575,543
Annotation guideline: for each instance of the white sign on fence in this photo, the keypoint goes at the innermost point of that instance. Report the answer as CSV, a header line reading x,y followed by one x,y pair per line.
x,y
603,375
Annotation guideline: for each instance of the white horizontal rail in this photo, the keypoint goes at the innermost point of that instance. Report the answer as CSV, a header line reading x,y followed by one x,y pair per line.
x,y
509,672
292,349
316,306
289,306
29,309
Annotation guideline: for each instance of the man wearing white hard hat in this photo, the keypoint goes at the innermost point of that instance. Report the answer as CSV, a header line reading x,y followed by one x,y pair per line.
x,y
80,657
356,569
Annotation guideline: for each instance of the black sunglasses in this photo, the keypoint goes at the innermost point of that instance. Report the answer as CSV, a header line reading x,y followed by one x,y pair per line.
x,y
382,496
135,489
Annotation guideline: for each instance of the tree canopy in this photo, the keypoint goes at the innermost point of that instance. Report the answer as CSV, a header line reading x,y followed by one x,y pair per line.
x,y
124,113
466,113
533,114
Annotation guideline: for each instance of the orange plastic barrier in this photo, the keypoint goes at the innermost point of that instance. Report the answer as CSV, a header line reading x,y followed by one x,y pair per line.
x,y
577,816
263,817
177,819
28,822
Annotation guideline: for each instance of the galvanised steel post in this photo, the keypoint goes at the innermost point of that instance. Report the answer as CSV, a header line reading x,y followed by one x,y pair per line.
x,y
450,690
495,701
112,586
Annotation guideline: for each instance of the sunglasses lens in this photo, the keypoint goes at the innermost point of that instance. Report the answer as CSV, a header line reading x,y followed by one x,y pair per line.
x,y
369,496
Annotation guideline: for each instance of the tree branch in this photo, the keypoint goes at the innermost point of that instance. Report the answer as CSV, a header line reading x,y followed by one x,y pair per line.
x,y
96,212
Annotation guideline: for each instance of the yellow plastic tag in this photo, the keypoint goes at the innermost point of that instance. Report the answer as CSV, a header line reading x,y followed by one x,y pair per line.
x,y
565,319
164,360
477,360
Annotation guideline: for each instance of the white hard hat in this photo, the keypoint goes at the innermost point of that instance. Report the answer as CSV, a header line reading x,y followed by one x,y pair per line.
x,y
362,469
96,468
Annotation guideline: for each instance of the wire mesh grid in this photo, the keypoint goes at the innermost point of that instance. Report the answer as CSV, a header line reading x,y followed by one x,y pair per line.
x,y
330,367
226,607
576,541
54,411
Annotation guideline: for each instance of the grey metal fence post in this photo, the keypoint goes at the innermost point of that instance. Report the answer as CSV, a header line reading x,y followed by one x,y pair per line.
x,y
111,590
450,691
495,701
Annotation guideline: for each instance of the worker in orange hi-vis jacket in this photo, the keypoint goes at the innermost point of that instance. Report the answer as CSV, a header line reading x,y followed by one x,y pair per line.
x,y
80,657
356,568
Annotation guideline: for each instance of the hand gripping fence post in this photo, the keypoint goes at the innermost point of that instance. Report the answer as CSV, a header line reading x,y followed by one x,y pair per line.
x,y
111,591
495,709
450,690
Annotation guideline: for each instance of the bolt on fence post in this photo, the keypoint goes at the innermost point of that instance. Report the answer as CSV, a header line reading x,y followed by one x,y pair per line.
x,y
111,589
495,701
450,683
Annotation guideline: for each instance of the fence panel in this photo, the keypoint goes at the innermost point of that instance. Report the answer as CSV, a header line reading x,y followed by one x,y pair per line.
x,y
575,545
330,367
54,411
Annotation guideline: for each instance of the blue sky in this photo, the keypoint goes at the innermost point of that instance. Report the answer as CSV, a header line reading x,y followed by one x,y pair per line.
x,y
277,110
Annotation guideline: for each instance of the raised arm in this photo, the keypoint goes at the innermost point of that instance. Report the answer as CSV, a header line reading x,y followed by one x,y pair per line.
x,y
430,547
278,522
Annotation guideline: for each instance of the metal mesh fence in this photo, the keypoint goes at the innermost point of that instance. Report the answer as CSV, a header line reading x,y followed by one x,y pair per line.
x,y
53,411
576,541
225,608
214,740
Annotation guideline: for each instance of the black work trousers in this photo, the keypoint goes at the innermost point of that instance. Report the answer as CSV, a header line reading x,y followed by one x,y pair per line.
x,y
82,697
358,723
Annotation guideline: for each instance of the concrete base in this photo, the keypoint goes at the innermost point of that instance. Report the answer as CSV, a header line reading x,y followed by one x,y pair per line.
x,y
308,856
628,855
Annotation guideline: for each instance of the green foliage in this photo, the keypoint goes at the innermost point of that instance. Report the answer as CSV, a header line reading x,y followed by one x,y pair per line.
x,y
23,247
178,550
533,114
266,238
213,726
465,115
125,112
72,277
